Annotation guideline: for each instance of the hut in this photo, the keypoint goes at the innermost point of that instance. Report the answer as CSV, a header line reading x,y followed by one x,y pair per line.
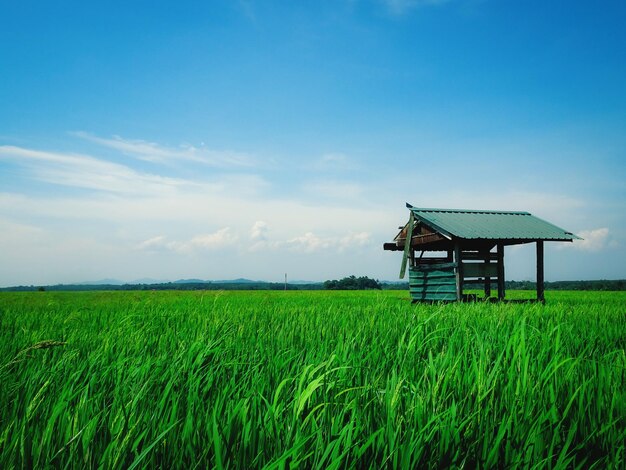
x,y
471,250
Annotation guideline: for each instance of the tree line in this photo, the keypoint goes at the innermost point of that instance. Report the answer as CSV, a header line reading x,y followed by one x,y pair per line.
x,y
347,283
353,283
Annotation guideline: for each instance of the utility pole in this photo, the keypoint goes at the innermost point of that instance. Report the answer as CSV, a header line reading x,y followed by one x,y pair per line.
x,y
285,281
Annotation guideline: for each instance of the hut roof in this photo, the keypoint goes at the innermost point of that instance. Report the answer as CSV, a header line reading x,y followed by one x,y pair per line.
x,y
490,225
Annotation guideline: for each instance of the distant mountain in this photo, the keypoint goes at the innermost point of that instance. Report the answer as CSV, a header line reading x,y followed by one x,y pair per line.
x,y
107,282
189,281
117,282
240,280
148,280
219,281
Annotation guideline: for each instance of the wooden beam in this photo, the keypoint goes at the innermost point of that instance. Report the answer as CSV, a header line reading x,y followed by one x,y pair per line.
x,y
423,239
540,283
391,246
459,270
480,281
479,256
421,261
417,241
487,279
501,292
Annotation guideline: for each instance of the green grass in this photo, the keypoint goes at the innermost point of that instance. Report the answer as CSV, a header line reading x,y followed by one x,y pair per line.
x,y
310,380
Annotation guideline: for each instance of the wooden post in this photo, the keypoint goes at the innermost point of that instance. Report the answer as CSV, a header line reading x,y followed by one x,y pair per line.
x,y
501,292
459,271
407,245
487,278
540,281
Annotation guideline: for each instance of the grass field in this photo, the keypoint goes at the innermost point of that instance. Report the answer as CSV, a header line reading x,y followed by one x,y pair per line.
x,y
310,380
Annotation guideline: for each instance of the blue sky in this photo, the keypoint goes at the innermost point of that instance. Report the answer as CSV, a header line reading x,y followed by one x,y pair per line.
x,y
230,139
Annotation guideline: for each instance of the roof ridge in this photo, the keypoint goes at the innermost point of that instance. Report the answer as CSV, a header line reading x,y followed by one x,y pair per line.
x,y
469,211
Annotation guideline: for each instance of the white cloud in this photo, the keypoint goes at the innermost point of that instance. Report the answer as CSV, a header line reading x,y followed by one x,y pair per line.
x,y
308,243
157,242
593,240
153,152
354,240
259,231
212,241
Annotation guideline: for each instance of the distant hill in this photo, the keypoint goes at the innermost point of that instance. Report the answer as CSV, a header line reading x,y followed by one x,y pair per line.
x,y
111,282
247,284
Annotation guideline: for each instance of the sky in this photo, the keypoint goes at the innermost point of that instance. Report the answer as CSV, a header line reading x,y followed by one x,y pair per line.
x,y
226,139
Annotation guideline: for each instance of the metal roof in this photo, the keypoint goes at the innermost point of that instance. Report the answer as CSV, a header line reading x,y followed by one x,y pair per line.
x,y
490,225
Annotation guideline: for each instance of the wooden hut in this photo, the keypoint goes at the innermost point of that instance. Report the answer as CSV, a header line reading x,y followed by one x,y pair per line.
x,y
473,243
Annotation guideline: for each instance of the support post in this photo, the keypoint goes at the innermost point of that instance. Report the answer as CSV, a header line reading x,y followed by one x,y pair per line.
x,y
501,292
459,271
540,280
487,278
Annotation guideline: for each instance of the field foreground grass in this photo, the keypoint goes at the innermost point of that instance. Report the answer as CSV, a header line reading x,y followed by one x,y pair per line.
x,y
310,380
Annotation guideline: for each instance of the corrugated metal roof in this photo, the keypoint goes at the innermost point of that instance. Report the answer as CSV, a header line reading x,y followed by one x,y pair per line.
x,y
474,224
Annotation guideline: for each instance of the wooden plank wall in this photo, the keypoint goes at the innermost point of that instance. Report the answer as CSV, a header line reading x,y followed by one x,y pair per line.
x,y
433,282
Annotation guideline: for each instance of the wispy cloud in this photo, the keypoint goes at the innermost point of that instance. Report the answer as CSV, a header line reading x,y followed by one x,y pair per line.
x,y
247,9
399,7
227,237
155,243
155,153
83,171
308,242
332,162
335,190
11,232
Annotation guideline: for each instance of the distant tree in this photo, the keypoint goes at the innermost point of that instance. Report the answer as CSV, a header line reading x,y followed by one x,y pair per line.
x,y
352,283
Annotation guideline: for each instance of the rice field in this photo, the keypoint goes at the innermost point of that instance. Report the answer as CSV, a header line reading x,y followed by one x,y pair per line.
x,y
310,380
